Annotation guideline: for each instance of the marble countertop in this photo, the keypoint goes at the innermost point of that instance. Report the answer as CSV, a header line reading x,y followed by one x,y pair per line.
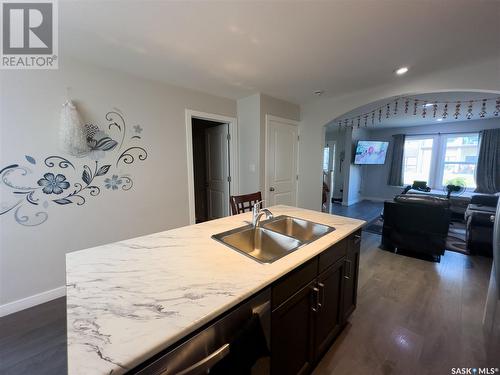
x,y
128,300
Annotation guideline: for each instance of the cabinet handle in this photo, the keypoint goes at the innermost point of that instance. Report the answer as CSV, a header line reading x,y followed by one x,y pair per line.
x,y
357,238
348,274
315,303
321,295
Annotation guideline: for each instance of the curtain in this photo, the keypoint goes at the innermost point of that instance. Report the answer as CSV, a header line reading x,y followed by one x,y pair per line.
x,y
396,171
488,163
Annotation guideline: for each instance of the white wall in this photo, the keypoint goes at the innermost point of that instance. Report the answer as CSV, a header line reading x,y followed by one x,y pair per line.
x,y
355,172
481,76
32,258
252,113
249,143
375,176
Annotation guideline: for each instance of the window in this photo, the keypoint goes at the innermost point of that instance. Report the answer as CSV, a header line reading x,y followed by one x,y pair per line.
x,y
326,158
460,159
441,159
329,157
417,159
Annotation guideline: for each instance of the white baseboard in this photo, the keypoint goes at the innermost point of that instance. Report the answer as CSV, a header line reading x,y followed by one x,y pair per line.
x,y
352,201
36,299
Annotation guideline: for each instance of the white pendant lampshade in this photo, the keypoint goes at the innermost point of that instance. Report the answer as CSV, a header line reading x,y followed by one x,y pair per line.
x,y
72,134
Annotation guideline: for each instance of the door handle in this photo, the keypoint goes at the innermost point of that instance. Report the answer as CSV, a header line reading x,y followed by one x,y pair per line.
x,y
315,297
271,188
357,238
321,295
206,363
348,275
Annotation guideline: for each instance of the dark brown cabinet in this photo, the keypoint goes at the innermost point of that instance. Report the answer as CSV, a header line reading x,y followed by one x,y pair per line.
x,y
351,276
329,311
310,306
292,325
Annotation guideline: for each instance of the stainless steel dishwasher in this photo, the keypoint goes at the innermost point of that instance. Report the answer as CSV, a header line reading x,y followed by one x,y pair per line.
x,y
199,354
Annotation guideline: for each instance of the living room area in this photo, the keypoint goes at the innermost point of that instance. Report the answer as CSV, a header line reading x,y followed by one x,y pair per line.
x,y
422,170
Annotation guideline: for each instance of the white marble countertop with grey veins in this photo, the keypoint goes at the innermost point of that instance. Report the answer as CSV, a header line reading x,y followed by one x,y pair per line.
x,y
128,300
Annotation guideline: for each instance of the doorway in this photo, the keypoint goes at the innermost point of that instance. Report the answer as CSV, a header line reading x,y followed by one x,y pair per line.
x,y
329,152
334,165
211,169
212,160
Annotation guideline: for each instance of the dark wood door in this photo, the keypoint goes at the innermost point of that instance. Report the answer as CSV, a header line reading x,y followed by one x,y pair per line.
x,y
351,276
291,338
329,314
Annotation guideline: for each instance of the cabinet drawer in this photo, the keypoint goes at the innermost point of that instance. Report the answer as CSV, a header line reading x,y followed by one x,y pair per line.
x,y
331,255
289,284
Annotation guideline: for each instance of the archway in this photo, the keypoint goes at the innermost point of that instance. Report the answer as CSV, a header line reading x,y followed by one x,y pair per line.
x,y
441,111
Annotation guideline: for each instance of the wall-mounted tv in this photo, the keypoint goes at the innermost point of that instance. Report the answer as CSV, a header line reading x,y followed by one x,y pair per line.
x,y
371,152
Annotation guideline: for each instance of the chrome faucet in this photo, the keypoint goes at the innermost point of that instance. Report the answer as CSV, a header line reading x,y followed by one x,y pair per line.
x,y
257,213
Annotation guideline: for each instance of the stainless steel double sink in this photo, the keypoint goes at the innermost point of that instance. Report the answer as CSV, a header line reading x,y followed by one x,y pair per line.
x,y
273,238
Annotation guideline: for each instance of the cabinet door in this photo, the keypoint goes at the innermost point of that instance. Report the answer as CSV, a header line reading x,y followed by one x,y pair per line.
x,y
329,312
291,333
351,276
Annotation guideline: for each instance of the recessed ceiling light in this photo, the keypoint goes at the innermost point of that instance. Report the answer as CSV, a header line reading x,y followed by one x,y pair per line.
x,y
401,71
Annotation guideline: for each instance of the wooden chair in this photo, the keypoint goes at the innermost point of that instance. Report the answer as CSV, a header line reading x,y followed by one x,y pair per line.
x,y
244,203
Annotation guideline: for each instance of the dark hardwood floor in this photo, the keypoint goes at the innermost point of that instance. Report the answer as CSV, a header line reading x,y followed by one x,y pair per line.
x,y
413,317
33,341
364,210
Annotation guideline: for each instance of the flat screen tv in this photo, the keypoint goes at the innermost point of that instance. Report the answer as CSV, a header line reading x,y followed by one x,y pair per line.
x,y
371,152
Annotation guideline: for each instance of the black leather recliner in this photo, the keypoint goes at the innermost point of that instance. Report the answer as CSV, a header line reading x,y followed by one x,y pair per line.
x,y
417,223
479,224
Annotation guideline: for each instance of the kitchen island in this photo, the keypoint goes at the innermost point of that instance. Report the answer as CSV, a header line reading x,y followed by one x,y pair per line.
x,y
129,300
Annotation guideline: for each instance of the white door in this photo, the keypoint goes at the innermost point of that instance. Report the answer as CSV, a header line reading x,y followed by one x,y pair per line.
x,y
281,161
217,151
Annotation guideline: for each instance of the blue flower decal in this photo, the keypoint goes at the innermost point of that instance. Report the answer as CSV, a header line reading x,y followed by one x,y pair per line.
x,y
53,184
113,183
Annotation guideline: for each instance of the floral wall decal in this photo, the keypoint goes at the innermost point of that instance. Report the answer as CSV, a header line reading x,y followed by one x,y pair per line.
x,y
29,201
53,184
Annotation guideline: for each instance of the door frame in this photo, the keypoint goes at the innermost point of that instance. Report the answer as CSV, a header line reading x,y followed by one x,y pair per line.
x,y
233,154
331,169
266,144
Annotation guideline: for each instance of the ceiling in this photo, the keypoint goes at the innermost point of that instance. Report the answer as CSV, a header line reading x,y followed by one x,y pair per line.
x,y
414,115
286,49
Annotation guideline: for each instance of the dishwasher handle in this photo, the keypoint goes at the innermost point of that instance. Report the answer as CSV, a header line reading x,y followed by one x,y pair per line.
x,y
206,363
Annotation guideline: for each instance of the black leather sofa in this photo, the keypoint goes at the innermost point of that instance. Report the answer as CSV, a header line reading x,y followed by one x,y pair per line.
x,y
416,223
479,233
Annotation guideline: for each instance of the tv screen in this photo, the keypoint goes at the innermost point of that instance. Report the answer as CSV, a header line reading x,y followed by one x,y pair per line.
x,y
371,152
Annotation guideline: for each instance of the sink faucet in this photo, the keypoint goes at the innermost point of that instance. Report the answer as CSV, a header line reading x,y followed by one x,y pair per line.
x,y
257,213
